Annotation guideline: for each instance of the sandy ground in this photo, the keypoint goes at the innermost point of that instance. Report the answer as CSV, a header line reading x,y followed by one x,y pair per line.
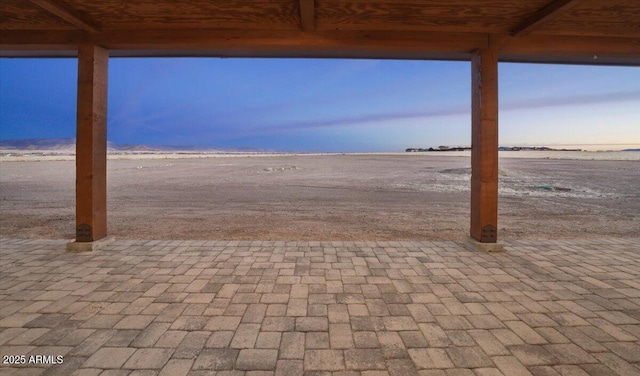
x,y
330,197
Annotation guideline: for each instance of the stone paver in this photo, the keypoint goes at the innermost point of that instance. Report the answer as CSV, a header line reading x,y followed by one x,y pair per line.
x,y
555,307
109,357
257,359
148,359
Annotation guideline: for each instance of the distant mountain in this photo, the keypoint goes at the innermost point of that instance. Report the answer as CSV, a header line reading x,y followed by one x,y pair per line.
x,y
39,144
69,144
631,150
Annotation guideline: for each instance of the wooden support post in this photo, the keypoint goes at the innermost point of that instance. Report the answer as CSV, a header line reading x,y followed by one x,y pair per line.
x,y
484,146
91,144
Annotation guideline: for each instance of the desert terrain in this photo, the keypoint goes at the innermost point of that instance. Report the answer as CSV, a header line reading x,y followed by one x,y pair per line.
x,y
325,197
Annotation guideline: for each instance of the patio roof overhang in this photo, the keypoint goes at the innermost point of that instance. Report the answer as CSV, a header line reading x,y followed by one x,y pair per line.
x,y
560,31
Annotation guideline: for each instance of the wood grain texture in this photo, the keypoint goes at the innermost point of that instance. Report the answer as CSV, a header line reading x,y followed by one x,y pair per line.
x,y
169,14
554,49
493,16
615,18
591,29
279,41
339,44
70,15
413,29
613,11
544,14
307,15
91,143
24,15
484,145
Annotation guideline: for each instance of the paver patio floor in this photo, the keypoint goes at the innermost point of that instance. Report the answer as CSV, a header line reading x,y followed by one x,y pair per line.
x,y
320,308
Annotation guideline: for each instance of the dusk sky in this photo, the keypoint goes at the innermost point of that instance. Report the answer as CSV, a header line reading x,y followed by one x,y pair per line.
x,y
321,105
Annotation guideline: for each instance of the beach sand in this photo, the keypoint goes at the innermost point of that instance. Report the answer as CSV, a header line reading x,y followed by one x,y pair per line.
x,y
326,197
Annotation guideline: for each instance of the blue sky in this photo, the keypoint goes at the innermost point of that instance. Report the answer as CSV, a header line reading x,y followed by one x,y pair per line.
x,y
322,105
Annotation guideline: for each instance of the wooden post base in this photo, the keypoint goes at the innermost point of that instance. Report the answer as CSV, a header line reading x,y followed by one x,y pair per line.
x,y
75,246
477,246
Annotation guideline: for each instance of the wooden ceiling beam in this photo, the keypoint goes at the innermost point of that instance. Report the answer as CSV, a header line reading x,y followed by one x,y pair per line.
x,y
568,50
61,10
331,44
543,15
307,15
292,42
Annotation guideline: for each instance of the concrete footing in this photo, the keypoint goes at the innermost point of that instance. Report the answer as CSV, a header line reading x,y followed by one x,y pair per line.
x,y
77,247
475,245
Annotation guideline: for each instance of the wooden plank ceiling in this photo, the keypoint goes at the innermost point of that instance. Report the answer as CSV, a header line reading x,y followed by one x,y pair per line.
x,y
563,31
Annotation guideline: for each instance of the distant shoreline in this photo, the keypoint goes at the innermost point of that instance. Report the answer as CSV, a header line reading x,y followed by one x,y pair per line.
x,y
66,146
11,155
507,148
